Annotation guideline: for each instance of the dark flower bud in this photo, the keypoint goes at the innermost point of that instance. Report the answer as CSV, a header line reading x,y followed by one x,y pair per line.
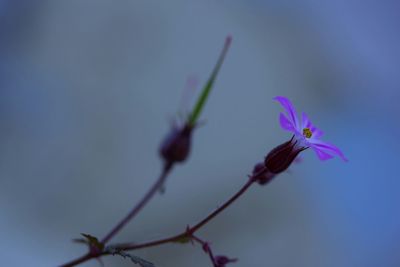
x,y
176,146
280,158
222,261
261,174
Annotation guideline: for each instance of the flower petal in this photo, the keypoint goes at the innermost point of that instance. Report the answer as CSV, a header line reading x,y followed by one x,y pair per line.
x,y
306,123
316,133
329,148
291,112
321,154
286,124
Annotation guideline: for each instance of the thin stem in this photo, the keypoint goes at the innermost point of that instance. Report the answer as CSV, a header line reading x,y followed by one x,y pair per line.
x,y
206,248
79,260
223,207
156,186
188,233
136,209
191,230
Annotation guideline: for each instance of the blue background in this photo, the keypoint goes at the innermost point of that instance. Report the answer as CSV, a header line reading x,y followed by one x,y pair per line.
x,y
87,90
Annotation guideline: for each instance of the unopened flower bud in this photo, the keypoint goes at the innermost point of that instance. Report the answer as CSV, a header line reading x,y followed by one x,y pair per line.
x,y
176,146
222,261
261,174
280,158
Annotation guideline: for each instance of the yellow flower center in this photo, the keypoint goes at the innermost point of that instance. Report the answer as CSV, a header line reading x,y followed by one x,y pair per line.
x,y
307,132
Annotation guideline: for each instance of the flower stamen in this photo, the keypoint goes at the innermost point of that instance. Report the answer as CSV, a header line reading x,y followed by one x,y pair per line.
x,y
307,132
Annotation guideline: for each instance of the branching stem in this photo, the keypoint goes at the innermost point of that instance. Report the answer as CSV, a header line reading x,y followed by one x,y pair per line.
x,y
135,210
187,234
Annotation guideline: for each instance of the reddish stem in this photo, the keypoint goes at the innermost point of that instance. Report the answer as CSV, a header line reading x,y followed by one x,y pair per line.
x,y
191,230
80,260
136,209
206,248
156,186
188,233
223,207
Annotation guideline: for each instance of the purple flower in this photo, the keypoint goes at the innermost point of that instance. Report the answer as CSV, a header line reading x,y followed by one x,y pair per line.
x,y
305,133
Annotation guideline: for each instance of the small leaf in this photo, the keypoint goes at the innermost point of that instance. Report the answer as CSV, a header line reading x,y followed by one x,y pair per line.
x,y
92,241
183,239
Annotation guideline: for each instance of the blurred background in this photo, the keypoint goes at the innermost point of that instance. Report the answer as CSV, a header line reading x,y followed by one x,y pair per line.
x,y
87,92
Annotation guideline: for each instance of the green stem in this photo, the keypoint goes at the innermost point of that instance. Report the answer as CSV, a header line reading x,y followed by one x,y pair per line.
x,y
208,86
